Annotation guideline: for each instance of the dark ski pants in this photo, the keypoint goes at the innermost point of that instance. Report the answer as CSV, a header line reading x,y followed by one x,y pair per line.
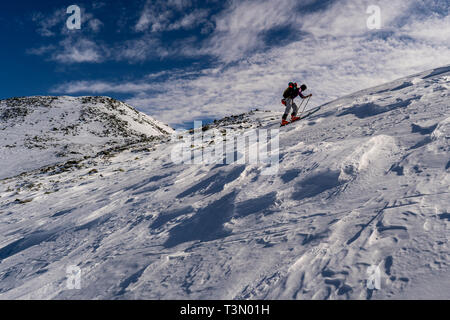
x,y
290,104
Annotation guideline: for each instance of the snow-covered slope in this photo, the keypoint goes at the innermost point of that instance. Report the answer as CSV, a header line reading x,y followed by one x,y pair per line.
x,y
38,131
362,183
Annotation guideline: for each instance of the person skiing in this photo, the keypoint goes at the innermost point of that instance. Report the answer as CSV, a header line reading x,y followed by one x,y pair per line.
x,y
289,95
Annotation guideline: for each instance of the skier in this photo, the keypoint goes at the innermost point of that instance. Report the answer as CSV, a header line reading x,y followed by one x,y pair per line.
x,y
289,95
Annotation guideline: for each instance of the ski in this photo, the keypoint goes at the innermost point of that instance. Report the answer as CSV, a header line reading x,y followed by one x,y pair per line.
x,y
302,117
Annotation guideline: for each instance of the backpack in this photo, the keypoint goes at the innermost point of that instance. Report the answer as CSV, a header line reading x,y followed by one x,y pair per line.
x,y
290,90
287,93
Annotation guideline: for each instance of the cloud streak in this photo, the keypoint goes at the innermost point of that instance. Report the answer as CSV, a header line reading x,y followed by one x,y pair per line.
x,y
331,50
159,16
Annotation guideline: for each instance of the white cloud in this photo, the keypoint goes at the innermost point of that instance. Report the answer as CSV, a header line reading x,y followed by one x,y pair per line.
x,y
93,24
140,49
55,24
157,16
41,50
158,21
47,24
190,20
75,47
434,30
79,50
347,18
98,4
99,87
73,50
337,55
238,28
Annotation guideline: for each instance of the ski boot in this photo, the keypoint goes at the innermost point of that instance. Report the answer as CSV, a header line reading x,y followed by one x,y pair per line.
x,y
294,118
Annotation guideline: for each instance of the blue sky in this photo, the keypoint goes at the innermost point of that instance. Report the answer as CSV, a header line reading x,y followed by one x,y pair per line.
x,y
185,60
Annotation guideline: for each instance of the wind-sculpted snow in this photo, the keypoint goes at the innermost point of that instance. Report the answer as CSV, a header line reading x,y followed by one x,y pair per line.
x,y
357,208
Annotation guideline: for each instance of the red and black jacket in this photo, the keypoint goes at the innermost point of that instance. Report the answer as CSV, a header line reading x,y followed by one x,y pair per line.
x,y
293,93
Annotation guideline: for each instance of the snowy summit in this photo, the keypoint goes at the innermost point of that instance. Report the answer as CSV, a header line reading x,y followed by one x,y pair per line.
x,y
38,131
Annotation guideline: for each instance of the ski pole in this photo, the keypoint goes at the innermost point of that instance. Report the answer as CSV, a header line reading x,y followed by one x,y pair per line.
x,y
301,104
305,105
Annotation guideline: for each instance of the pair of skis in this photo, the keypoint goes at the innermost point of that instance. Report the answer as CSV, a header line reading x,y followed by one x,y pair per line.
x,y
303,117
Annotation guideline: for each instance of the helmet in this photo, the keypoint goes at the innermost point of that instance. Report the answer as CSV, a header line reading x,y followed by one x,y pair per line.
x,y
291,85
303,87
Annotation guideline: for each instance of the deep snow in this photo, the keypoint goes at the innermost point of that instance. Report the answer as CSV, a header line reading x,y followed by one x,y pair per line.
x,y
363,182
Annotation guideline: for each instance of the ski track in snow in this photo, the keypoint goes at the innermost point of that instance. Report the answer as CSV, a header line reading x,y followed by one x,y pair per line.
x,y
363,182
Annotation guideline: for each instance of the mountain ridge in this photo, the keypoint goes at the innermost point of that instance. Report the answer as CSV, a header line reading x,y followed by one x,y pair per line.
x,y
68,128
